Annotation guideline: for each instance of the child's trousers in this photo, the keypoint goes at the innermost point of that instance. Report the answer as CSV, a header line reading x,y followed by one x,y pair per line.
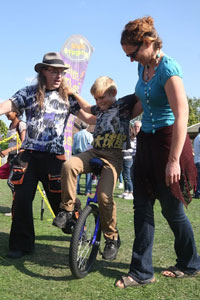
x,y
111,170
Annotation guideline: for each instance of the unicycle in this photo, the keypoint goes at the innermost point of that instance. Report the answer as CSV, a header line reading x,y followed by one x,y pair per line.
x,y
86,236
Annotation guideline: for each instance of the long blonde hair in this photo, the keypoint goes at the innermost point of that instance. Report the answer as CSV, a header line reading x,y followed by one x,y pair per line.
x,y
41,89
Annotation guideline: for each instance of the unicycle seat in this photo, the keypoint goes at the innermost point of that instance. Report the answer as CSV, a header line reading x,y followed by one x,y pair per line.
x,y
96,165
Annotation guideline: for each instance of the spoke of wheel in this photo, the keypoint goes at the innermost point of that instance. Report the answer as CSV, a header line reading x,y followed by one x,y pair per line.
x,y
82,253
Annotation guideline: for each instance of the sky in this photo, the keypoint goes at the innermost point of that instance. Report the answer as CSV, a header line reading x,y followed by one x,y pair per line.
x,y
29,29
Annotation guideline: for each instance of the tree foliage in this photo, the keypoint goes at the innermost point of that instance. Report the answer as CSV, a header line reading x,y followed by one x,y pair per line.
x,y
194,111
3,129
3,133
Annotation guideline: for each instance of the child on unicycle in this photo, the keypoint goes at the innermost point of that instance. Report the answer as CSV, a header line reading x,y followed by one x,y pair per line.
x,y
110,137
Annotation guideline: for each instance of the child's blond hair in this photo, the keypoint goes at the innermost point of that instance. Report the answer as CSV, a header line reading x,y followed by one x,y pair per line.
x,y
102,85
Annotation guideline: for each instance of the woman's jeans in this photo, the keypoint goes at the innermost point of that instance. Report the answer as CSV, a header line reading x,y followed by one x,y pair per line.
x,y
126,172
172,209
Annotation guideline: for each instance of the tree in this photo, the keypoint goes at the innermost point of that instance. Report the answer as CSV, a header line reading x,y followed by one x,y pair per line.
x,y
3,129
3,133
194,111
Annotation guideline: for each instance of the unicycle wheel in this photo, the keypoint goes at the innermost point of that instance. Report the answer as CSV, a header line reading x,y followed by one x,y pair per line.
x,y
85,242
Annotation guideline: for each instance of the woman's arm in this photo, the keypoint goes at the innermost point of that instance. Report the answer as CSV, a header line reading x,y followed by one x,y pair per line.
x,y
137,109
178,102
8,150
22,135
82,102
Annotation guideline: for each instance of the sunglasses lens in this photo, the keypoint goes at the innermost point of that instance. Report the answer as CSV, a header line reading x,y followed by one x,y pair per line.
x,y
133,55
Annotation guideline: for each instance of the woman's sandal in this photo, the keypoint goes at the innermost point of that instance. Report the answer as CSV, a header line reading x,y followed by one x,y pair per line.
x,y
128,281
175,272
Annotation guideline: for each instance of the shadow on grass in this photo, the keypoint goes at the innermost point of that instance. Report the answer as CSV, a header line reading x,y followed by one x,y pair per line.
x,y
63,238
111,269
52,259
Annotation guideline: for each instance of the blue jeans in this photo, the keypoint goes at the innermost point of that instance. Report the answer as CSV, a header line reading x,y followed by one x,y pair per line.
x,y
126,172
172,209
197,193
88,183
120,178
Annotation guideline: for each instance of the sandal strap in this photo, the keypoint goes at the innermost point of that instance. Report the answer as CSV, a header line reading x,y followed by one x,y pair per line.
x,y
176,271
129,282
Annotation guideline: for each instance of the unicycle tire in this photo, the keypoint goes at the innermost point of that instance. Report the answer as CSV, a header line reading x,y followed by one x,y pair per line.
x,y
83,247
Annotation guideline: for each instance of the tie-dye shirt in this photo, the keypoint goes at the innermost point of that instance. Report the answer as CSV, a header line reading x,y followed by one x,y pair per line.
x,y
45,127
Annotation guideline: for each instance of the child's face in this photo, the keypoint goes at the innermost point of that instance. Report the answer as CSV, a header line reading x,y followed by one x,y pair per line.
x,y
105,101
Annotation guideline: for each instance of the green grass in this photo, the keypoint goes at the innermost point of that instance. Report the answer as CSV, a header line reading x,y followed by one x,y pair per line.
x,y
46,274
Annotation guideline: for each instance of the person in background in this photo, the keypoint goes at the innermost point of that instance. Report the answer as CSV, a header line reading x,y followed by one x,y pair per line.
x,y
110,136
47,106
83,141
126,173
197,163
164,166
135,129
16,126
94,180
121,184
128,162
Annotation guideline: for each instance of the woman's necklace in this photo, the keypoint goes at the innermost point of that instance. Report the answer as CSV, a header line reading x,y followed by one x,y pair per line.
x,y
146,75
147,68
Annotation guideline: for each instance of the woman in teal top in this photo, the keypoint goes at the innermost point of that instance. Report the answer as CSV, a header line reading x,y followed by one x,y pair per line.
x,y
157,110
164,167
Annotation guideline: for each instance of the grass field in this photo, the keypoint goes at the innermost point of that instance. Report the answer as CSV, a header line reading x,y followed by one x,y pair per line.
x,y
46,274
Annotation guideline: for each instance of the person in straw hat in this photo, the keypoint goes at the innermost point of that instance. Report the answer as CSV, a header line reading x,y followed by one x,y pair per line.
x,y
47,106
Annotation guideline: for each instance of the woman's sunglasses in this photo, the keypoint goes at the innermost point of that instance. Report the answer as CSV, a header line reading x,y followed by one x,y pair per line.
x,y
133,54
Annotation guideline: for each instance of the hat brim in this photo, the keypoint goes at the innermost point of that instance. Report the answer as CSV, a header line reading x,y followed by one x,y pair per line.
x,y
39,66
